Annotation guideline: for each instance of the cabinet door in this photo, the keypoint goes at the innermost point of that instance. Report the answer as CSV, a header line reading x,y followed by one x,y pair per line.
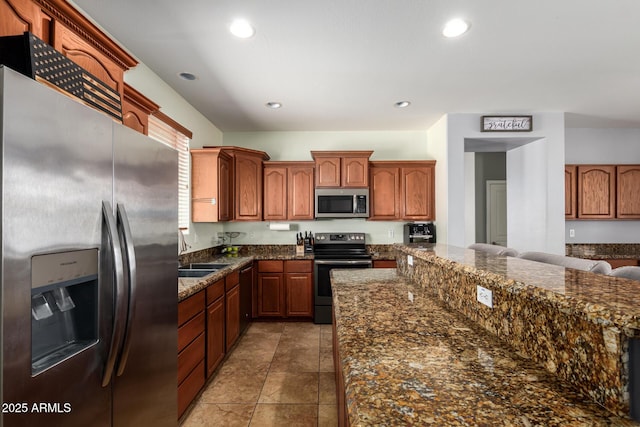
x,y
248,187
418,193
88,57
232,315
355,172
270,295
225,189
300,193
385,193
19,16
570,191
210,185
628,191
299,291
328,172
596,191
215,334
275,193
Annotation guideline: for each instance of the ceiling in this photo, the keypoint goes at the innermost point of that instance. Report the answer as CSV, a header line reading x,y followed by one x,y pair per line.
x,y
339,65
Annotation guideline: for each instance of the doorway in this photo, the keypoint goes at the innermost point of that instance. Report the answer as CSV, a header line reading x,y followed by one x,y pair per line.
x,y
496,230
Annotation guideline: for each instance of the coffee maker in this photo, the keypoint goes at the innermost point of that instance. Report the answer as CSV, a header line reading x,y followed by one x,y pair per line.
x,y
419,232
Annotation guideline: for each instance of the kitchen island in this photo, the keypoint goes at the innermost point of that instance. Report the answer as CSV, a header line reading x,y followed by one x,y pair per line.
x,y
407,359
415,348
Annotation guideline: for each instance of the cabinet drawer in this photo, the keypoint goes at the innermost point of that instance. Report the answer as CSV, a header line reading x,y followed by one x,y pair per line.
x,y
384,263
298,266
190,330
190,388
215,291
231,280
270,266
190,357
190,307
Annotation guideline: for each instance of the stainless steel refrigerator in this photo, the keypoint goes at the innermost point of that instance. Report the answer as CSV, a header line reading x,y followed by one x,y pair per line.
x,y
89,265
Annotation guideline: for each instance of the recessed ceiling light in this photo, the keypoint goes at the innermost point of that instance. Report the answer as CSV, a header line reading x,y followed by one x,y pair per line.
x,y
242,29
455,28
187,76
273,105
402,104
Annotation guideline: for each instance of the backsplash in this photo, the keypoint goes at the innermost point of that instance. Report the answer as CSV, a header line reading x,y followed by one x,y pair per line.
x,y
584,250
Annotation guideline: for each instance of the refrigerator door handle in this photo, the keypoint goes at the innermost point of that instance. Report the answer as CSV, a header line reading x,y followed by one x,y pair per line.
x,y
120,307
127,239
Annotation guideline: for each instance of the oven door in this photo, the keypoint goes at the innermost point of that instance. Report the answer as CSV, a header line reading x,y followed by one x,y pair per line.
x,y
322,287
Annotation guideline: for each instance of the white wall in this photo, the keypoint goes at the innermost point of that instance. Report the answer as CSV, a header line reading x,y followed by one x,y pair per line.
x,y
145,81
437,136
387,145
602,146
522,182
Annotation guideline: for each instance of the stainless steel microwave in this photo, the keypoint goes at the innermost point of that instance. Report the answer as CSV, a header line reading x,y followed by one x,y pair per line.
x,y
342,203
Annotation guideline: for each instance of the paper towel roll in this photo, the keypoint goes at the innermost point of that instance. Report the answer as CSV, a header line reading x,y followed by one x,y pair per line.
x,y
279,226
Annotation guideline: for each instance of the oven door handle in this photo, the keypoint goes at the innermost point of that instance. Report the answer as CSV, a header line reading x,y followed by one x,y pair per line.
x,y
344,262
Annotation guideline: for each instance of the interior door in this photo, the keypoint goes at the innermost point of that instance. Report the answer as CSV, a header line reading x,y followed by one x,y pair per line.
x,y
146,189
497,212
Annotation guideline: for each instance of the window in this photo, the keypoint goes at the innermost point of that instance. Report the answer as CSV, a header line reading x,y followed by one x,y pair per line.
x,y
166,130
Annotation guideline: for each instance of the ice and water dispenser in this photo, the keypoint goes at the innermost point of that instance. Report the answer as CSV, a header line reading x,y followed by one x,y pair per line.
x,y
64,306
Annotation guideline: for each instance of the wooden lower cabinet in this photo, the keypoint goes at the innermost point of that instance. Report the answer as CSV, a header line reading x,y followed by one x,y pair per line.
x,y
384,263
215,326
285,289
191,349
615,263
232,308
270,295
299,294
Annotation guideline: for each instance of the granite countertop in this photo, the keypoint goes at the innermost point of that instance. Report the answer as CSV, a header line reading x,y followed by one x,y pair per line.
x,y
409,360
602,299
190,286
249,253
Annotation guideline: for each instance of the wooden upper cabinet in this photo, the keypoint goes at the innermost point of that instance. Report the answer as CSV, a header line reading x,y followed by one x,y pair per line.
x,y
596,191
248,186
275,191
18,16
355,171
88,57
288,191
328,172
136,109
384,191
402,190
628,191
342,168
210,185
417,184
300,200
570,191
59,24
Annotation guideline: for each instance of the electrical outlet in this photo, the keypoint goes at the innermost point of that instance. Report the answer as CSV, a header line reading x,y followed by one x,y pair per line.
x,y
572,232
391,233
410,296
485,296
410,259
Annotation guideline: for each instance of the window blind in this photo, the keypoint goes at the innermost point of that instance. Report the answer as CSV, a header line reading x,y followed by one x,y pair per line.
x,y
164,132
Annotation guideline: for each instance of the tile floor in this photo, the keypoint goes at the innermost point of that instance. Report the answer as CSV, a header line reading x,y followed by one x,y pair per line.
x,y
279,374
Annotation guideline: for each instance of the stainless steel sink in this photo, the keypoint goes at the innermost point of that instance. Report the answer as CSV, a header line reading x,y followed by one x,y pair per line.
x,y
206,266
197,272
